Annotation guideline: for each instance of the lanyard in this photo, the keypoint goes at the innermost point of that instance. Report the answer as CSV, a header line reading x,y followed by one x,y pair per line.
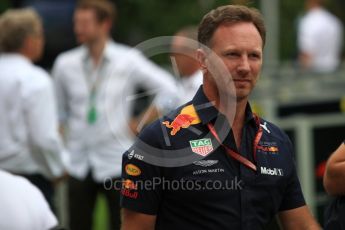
x,y
236,155
92,113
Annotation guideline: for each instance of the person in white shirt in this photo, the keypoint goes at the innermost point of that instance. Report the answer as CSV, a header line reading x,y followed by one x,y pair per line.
x,y
183,49
320,39
92,82
23,206
30,144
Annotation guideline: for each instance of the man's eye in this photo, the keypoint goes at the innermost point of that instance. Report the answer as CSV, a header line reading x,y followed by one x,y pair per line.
x,y
255,56
232,54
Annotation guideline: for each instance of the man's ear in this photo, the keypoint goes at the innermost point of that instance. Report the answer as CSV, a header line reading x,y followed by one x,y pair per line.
x,y
201,57
107,25
27,46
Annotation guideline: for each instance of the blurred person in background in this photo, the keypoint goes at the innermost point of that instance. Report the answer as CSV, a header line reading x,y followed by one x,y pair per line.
x,y
23,206
96,139
320,39
334,183
183,49
30,144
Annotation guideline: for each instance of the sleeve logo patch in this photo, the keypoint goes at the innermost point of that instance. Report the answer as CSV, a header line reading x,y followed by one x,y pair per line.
x,y
130,194
268,147
129,184
186,118
132,170
135,155
264,126
201,146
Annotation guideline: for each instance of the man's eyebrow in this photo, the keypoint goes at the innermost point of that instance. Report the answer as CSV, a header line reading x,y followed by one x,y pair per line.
x,y
231,49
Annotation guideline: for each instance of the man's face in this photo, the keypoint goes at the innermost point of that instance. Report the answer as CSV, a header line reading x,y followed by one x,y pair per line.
x,y
87,29
239,46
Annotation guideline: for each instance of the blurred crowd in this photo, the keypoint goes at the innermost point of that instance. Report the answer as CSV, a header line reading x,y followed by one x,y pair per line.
x,y
74,125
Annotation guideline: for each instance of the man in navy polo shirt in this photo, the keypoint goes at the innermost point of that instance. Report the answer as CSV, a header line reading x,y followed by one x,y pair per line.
x,y
212,163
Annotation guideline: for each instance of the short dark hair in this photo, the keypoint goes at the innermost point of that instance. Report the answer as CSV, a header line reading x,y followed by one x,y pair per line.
x,y
229,14
105,10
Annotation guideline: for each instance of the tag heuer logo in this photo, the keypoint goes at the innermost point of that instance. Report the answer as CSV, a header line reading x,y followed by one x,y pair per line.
x,y
201,146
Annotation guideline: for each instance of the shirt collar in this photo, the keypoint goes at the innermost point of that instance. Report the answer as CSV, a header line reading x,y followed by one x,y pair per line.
x,y
249,116
16,56
207,112
204,108
106,52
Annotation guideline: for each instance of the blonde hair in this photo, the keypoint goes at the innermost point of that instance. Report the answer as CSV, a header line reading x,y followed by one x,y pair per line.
x,y
16,26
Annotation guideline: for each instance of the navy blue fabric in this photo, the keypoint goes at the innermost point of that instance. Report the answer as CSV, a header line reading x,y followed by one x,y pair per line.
x,y
335,214
249,204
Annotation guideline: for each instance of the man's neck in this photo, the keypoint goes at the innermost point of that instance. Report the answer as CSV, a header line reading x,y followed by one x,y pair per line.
x,y
26,55
238,122
235,118
312,5
241,110
227,106
96,50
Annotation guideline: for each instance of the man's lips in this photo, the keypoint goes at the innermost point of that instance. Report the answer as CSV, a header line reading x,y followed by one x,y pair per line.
x,y
242,83
238,81
241,80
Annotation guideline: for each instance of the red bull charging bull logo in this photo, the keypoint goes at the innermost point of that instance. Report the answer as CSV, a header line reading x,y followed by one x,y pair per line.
x,y
186,118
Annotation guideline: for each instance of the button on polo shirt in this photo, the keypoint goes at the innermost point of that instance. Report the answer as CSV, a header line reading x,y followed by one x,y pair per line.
x,y
214,192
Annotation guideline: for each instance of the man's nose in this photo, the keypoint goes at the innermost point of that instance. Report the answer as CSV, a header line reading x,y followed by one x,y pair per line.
x,y
243,65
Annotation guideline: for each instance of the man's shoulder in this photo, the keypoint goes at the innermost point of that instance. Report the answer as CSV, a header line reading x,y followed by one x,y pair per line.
x,y
123,52
34,210
40,76
318,18
70,56
34,77
273,130
119,47
156,128
40,71
13,182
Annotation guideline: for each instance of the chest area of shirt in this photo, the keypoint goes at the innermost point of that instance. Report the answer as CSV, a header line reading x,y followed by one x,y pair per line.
x,y
105,81
212,161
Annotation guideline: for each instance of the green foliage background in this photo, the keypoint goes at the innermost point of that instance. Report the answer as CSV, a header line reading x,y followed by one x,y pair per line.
x,y
141,20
